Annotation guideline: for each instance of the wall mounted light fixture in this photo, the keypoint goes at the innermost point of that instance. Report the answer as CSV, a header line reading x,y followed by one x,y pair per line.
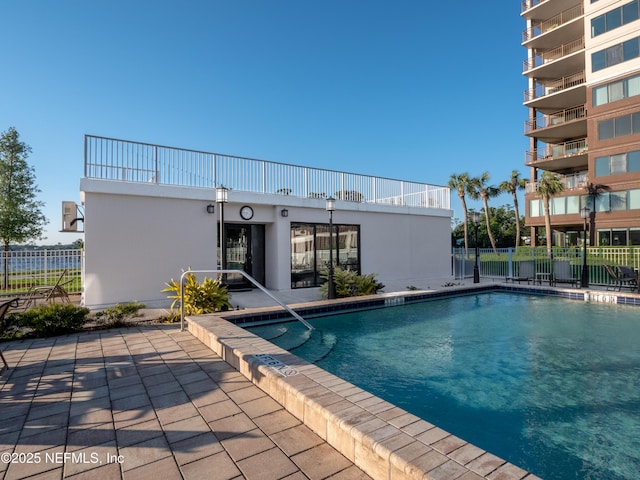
x,y
211,208
284,212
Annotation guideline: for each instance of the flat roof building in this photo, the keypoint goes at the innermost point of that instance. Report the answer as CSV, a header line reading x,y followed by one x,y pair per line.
x,y
583,98
151,211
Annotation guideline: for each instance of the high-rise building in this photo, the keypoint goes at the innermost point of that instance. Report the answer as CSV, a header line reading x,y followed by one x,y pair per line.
x,y
583,98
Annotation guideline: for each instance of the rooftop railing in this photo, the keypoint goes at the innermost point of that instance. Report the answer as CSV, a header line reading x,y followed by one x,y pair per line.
x,y
125,161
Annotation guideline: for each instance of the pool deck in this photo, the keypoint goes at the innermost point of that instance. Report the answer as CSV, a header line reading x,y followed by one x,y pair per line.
x,y
153,401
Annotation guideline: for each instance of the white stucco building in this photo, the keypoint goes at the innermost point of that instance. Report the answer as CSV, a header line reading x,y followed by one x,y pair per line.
x,y
151,212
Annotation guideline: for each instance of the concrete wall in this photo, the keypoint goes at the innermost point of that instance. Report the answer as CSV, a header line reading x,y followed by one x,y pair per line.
x,y
139,236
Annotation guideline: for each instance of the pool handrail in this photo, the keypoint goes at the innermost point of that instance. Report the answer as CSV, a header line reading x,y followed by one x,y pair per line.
x,y
248,277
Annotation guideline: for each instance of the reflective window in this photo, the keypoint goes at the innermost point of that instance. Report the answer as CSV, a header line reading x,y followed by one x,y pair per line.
x,y
310,251
634,236
605,129
634,199
618,200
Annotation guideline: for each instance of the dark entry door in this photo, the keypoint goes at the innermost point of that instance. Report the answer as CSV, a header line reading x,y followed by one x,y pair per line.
x,y
245,251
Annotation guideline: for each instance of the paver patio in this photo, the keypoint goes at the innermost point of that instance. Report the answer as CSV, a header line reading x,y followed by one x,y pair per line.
x,y
147,401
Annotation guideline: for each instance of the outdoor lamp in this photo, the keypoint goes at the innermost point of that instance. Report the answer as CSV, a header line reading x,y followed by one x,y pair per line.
x,y
330,206
222,194
211,208
284,212
584,279
475,217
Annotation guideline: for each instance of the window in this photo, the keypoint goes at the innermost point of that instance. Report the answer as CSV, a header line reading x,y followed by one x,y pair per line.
x,y
602,203
633,161
557,206
310,251
617,164
604,237
615,54
634,236
536,208
634,199
618,237
573,204
618,90
614,18
619,126
618,200
605,129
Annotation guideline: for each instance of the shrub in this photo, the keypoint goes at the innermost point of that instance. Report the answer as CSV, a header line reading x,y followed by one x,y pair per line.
x,y
51,319
199,298
116,315
349,284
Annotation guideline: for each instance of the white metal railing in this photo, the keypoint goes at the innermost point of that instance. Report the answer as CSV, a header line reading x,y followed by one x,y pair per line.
x,y
543,57
32,268
561,150
555,119
544,26
570,182
122,160
555,86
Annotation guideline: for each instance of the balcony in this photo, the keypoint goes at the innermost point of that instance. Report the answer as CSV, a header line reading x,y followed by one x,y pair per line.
x,y
554,95
555,62
559,157
567,123
571,182
125,161
553,28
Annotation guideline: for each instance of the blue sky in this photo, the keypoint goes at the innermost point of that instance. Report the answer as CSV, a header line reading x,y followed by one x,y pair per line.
x,y
397,89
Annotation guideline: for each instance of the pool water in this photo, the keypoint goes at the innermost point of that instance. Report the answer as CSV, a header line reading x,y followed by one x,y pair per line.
x,y
548,384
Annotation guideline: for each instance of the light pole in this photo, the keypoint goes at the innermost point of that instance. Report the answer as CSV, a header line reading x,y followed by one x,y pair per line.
x,y
330,207
584,280
222,197
475,217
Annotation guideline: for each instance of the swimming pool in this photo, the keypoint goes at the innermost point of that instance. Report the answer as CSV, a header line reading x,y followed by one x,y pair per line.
x,y
549,384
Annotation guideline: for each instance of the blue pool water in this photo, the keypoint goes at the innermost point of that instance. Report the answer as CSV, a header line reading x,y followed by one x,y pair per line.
x,y
551,385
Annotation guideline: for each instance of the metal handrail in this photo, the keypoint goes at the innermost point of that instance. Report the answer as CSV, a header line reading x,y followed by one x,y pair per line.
x,y
248,277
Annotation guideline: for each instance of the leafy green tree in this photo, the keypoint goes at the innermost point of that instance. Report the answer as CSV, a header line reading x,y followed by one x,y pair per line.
x,y
21,218
481,190
503,226
462,185
549,185
512,186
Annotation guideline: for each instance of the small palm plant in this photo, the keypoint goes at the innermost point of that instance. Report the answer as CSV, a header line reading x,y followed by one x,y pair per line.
x,y
199,298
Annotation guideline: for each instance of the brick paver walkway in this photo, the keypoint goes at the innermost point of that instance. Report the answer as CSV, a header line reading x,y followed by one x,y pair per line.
x,y
147,402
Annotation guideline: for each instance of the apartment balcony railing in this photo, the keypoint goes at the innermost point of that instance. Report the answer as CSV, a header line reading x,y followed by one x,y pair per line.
x,y
554,86
571,182
555,151
558,118
527,4
548,56
544,26
125,161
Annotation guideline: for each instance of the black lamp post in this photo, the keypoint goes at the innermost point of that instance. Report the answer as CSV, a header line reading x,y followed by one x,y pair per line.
x,y
222,198
330,207
475,217
584,280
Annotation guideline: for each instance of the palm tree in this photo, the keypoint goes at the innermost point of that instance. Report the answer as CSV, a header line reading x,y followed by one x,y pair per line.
x,y
549,185
512,186
593,191
485,192
461,183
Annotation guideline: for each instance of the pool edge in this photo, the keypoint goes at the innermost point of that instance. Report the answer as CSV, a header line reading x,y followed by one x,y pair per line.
x,y
385,441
